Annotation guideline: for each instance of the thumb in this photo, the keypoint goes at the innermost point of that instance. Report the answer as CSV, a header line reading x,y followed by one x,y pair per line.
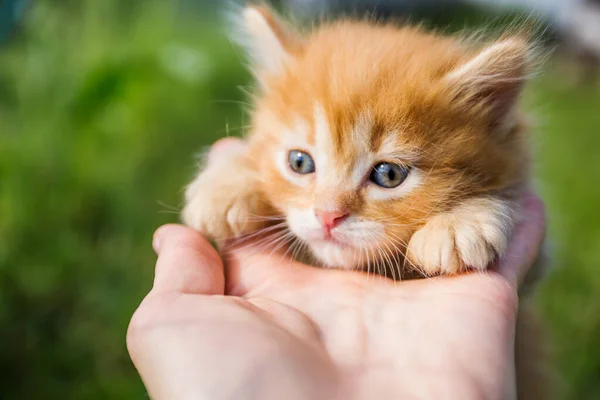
x,y
187,263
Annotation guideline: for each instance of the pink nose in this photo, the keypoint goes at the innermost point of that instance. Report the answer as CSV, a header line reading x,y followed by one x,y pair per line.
x,y
331,219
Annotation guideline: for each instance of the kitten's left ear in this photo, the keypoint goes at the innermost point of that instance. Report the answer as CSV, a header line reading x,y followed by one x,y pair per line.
x,y
492,80
269,42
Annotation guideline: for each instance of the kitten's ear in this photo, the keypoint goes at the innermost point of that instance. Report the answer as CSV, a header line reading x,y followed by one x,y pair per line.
x,y
269,42
492,80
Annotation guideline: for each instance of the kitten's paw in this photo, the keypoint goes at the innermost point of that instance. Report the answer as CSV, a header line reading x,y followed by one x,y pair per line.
x,y
469,237
224,206
219,213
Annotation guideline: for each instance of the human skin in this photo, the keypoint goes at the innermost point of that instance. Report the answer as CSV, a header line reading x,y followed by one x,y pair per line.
x,y
267,327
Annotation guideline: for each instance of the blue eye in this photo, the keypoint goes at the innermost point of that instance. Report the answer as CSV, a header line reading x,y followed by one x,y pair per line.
x,y
301,162
388,175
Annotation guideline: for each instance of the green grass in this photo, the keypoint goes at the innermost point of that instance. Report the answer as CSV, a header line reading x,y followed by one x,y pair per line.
x,y
568,170
102,108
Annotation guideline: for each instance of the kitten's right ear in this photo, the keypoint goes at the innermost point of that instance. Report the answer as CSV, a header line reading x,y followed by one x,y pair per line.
x,y
269,42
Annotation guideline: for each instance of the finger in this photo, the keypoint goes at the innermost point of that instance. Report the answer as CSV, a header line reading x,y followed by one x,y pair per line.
x,y
187,263
226,146
526,242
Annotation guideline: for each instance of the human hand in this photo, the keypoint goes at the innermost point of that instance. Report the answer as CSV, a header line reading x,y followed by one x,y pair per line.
x,y
277,328
266,327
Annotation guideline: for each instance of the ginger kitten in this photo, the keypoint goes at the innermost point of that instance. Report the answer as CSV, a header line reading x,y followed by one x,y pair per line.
x,y
377,147
375,141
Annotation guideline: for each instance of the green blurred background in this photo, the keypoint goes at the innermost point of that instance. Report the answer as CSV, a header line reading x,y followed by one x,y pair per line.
x,y
103,106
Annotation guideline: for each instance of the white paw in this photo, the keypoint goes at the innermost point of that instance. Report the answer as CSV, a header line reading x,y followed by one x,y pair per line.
x,y
471,236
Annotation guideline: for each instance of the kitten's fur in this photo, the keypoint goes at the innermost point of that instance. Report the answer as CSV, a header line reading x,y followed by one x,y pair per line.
x,y
356,93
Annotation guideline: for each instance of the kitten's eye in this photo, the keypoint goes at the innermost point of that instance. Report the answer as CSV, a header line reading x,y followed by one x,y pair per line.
x,y
388,175
301,162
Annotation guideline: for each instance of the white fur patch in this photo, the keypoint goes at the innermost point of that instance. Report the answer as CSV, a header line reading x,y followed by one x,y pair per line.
x,y
325,168
335,256
304,224
351,236
361,170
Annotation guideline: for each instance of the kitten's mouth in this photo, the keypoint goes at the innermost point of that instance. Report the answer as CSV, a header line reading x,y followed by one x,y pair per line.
x,y
334,252
330,240
333,248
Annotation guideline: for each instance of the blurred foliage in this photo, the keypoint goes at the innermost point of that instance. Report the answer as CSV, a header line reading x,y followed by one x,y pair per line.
x,y
103,105
568,149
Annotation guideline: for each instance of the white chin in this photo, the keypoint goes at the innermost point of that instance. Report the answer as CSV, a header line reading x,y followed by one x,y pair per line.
x,y
335,255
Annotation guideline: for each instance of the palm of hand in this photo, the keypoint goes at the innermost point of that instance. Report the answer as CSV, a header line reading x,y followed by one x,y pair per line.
x,y
367,331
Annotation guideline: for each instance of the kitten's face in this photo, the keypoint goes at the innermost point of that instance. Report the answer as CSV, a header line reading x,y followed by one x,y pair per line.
x,y
360,135
349,196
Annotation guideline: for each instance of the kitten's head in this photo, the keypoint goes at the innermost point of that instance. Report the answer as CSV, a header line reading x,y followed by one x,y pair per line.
x,y
361,132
